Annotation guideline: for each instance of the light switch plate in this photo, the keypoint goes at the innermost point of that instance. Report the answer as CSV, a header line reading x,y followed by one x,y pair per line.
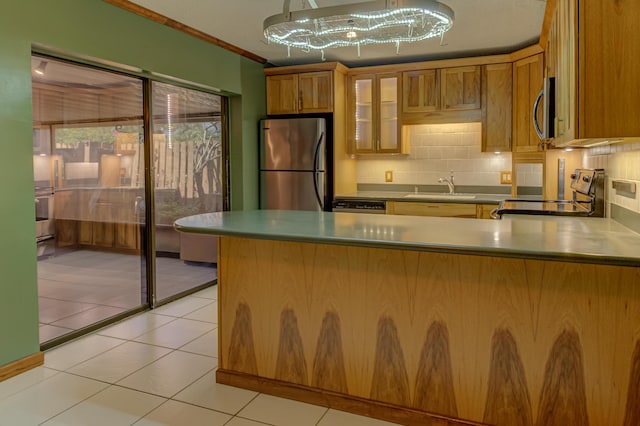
x,y
388,176
505,177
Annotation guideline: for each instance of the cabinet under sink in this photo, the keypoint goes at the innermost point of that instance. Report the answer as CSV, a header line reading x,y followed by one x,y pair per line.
x,y
440,196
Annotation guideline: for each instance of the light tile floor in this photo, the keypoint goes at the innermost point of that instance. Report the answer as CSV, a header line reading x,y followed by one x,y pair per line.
x,y
156,368
77,288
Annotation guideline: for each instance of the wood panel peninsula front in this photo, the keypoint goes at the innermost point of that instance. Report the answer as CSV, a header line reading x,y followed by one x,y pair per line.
x,y
528,320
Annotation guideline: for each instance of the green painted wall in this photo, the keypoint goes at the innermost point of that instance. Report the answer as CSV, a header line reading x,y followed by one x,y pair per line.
x,y
245,156
96,29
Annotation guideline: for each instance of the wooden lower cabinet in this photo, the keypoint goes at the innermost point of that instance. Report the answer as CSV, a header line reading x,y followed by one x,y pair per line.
x,y
412,208
109,234
127,235
66,233
105,221
126,230
483,211
428,338
85,233
103,228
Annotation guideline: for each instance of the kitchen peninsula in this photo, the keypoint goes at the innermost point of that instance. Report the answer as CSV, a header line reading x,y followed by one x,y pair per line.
x,y
432,321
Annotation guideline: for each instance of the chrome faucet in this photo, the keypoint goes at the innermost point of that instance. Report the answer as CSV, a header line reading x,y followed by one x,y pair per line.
x,y
449,182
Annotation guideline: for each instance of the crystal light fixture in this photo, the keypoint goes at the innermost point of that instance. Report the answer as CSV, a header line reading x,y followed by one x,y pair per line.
x,y
358,24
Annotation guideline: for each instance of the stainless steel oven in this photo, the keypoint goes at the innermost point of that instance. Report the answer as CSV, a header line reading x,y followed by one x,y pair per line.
x,y
45,227
587,199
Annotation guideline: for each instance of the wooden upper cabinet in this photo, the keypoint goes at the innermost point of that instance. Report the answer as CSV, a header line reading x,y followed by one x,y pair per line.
x,y
496,107
282,94
421,91
610,65
300,93
565,24
597,84
460,88
527,84
316,92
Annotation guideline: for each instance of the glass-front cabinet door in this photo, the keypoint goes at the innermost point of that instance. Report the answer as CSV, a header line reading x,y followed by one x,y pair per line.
x,y
388,114
373,102
362,113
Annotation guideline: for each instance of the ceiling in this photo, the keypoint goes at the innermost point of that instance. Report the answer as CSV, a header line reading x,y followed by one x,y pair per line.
x,y
480,27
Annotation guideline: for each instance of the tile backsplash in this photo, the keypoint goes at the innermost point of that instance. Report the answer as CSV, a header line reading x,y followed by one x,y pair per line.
x,y
435,150
621,162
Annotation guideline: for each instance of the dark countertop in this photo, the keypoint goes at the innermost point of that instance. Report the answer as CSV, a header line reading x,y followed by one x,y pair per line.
x,y
569,239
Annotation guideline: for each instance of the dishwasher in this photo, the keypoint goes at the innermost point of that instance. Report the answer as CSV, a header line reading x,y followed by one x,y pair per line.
x,y
359,206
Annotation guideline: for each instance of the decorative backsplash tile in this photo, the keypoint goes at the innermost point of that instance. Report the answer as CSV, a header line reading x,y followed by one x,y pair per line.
x,y
621,162
435,151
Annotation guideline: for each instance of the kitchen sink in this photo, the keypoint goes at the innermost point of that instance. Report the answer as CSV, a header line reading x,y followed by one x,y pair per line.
x,y
442,196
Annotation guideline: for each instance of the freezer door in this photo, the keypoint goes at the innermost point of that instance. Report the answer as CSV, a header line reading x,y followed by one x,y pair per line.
x,y
291,190
292,144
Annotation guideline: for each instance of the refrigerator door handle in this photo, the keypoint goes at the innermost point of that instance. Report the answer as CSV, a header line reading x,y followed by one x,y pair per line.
x,y
315,188
315,170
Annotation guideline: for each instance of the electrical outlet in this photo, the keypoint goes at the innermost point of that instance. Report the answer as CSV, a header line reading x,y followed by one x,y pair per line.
x,y
505,177
388,176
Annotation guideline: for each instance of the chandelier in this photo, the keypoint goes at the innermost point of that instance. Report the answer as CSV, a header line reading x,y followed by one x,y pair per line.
x,y
358,24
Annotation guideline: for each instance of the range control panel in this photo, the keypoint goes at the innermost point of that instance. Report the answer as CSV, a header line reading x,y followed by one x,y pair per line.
x,y
583,179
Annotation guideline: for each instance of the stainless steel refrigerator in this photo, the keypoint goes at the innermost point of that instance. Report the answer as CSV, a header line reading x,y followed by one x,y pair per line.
x,y
293,161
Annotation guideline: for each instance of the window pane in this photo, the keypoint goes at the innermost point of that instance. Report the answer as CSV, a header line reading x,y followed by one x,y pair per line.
x,y
88,174
188,180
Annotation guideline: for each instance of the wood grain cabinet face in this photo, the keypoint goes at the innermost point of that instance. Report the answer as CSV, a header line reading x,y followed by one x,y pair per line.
x,y
496,107
421,91
65,213
460,88
316,92
127,236
483,211
282,94
527,83
413,208
592,53
608,65
565,62
107,220
310,92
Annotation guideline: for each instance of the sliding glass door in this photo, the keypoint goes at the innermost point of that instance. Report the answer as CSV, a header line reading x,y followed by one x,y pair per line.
x,y
117,159
88,175
187,149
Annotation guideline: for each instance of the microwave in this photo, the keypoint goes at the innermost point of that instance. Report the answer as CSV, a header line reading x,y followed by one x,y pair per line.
x,y
545,130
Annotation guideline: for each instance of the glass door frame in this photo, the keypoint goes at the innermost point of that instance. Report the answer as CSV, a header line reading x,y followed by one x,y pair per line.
x,y
150,173
147,233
